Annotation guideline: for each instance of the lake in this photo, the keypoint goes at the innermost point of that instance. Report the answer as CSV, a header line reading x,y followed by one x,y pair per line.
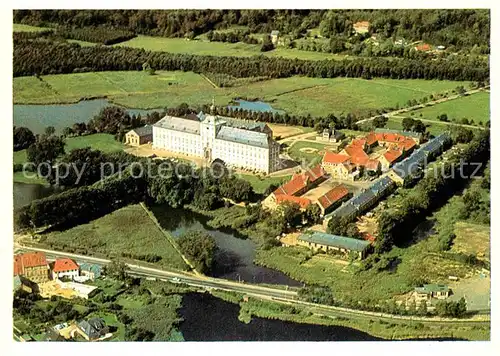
x,y
255,106
38,117
235,254
207,318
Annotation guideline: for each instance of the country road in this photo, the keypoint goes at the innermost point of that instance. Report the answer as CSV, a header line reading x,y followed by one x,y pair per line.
x,y
278,295
420,106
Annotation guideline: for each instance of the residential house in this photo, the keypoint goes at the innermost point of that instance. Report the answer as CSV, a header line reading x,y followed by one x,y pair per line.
x,y
417,137
139,136
339,166
64,268
32,265
93,329
90,270
321,241
428,291
334,136
275,37
333,198
361,26
389,158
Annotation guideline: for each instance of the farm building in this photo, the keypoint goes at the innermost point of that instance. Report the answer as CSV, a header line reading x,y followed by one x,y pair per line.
x,y
363,201
333,198
331,136
139,136
427,291
414,135
321,241
302,202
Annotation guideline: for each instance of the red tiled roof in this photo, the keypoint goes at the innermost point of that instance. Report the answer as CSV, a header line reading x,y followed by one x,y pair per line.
x,y
372,164
27,260
334,158
361,24
359,142
64,264
303,202
392,155
358,156
371,138
315,173
292,187
333,196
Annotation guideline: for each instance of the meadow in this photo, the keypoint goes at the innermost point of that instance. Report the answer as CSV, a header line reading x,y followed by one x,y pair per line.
x,y
17,27
295,95
311,152
260,184
128,232
472,107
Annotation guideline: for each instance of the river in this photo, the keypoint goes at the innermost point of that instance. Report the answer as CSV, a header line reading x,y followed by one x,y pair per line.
x,y
38,117
235,254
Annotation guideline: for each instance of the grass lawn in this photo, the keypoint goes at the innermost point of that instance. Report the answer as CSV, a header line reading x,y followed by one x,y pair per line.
x,y
260,184
435,128
475,107
17,27
285,131
295,95
126,231
311,152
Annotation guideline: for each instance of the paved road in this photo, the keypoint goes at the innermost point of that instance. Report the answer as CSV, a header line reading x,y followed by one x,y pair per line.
x,y
278,295
420,106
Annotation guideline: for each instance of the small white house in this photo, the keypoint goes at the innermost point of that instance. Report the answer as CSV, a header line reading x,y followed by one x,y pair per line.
x,y
65,268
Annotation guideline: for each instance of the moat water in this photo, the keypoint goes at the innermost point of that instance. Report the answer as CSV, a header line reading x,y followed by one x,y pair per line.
x,y
254,106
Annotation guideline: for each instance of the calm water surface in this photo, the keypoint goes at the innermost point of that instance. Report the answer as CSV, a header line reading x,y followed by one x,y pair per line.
x,y
38,117
255,106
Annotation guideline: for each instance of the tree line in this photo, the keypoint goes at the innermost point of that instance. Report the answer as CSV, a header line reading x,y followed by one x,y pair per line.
x,y
38,57
430,192
460,28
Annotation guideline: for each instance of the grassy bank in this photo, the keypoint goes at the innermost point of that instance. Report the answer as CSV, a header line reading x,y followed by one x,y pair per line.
x,y
260,184
295,95
127,232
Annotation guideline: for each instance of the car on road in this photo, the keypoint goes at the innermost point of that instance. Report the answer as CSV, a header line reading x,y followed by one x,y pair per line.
x,y
176,280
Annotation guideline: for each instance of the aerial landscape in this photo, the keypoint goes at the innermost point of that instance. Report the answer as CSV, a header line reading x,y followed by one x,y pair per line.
x,y
251,175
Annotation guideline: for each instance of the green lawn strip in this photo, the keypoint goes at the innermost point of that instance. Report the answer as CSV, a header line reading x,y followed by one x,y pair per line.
x,y
127,232
17,27
260,184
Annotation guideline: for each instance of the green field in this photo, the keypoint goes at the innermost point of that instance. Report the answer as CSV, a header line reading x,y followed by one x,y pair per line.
x,y
26,28
295,95
205,48
126,231
475,107
434,128
260,184
299,151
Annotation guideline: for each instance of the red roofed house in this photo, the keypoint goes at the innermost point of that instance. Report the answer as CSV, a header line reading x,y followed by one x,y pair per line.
x,y
302,202
368,237
298,185
31,265
389,158
64,268
339,166
333,198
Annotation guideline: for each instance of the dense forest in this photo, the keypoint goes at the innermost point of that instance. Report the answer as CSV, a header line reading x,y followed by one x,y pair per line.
x,y
457,27
40,57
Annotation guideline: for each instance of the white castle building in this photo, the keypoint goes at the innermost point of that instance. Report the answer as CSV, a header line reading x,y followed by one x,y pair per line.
x,y
239,143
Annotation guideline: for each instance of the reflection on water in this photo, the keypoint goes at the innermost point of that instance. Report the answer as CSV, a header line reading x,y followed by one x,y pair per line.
x,y
207,318
235,255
